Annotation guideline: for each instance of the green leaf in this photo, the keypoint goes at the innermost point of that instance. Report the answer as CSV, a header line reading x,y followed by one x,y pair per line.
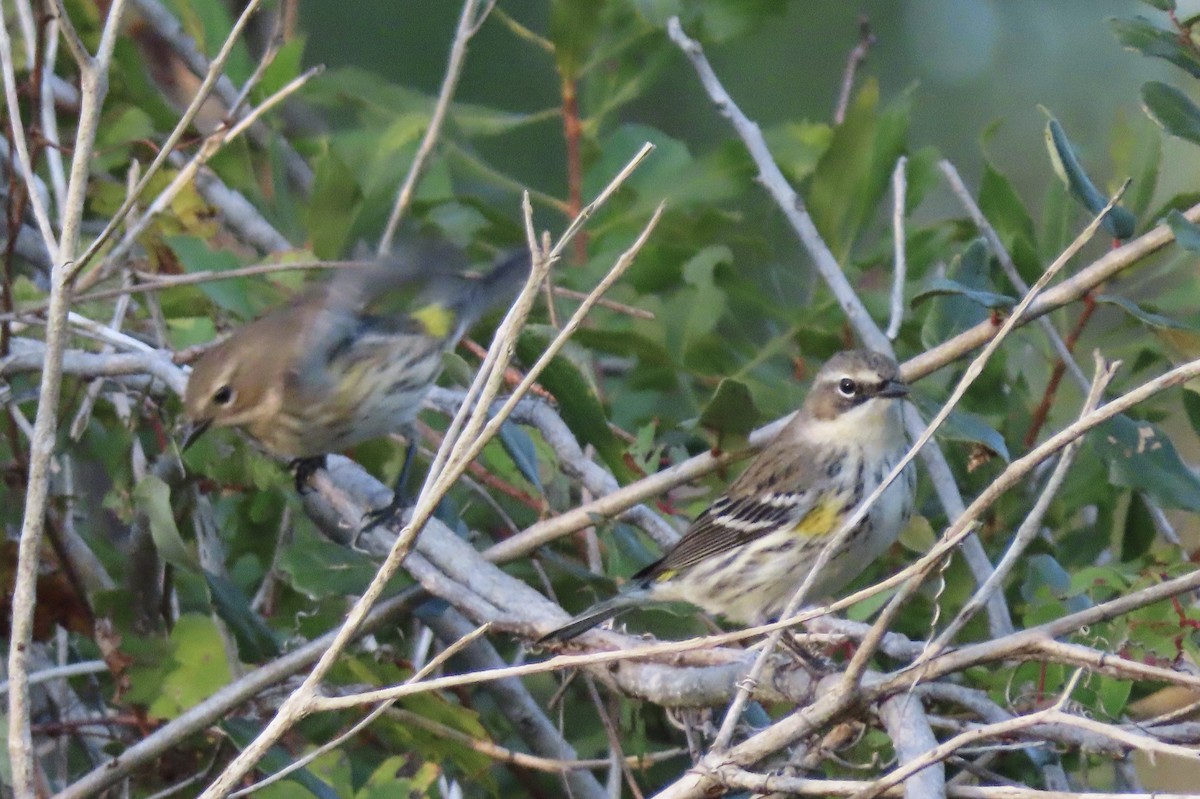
x,y
321,568
963,426
195,667
670,172
1143,36
1161,5
1003,208
1141,457
954,311
1172,110
722,20
153,498
1187,233
703,304
1139,531
943,286
731,413
256,642
1045,571
578,404
1191,406
574,25
241,296
1119,222
1137,151
1141,314
336,200
854,172
798,146
242,732
520,448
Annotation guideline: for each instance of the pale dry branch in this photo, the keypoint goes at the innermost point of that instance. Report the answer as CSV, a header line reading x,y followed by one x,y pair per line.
x,y
468,25
215,71
899,243
448,465
1032,524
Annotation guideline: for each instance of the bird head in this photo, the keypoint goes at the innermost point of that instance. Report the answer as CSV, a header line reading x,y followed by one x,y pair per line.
x,y
238,383
858,390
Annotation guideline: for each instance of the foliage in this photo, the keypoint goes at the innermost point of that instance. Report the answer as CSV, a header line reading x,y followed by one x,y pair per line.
x,y
223,571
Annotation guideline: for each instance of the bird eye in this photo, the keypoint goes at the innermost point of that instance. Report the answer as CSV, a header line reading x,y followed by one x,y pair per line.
x,y
223,396
847,388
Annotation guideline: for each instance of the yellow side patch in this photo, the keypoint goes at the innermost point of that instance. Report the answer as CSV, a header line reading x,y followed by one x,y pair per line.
x,y
438,320
666,575
822,520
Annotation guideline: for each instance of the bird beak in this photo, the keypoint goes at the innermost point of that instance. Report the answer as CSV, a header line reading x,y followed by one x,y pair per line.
x,y
893,389
192,431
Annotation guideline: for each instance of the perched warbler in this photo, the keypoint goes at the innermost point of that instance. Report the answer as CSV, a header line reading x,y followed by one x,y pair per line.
x,y
747,553
345,362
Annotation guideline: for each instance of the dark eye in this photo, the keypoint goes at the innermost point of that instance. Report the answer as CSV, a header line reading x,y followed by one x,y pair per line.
x,y
223,396
848,388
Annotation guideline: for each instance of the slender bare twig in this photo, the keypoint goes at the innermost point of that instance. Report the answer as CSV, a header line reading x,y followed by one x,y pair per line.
x,y
448,465
93,89
364,722
866,40
1010,268
774,784
899,243
1031,526
467,26
216,69
182,178
166,25
24,164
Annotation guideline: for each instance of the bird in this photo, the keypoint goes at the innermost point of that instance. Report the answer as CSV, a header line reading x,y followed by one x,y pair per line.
x,y
746,554
347,361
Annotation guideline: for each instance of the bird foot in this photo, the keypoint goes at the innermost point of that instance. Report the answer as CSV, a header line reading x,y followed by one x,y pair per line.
x,y
305,468
815,662
388,513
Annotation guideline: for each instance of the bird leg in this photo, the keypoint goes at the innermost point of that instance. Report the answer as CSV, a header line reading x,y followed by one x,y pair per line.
x,y
400,497
813,661
305,468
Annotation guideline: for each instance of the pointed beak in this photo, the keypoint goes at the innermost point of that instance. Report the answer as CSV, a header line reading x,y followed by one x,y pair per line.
x,y
192,431
893,389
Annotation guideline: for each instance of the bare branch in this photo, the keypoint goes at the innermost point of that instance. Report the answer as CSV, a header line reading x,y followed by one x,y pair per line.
x,y
899,243
467,27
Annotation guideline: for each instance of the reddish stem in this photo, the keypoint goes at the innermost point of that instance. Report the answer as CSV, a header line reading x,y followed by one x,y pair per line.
x,y
573,133
1043,408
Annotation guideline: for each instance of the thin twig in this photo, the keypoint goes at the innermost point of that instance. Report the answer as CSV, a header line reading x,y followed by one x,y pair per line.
x,y
1009,267
216,68
448,464
364,722
866,40
899,243
467,25
93,89
1031,526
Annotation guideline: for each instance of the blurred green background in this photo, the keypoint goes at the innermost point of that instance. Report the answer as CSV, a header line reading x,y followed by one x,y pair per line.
x,y
971,63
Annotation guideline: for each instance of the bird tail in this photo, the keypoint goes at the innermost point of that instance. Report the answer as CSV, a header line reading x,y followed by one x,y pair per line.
x,y
423,288
496,287
597,613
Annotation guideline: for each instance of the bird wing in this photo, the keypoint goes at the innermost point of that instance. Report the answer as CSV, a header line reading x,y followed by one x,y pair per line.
x,y
731,522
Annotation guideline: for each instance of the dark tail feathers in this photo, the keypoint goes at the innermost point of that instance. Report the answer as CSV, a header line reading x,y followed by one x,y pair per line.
x,y
496,287
600,612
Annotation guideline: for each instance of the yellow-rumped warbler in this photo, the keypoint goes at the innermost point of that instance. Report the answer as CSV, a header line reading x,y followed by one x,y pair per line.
x,y
345,362
747,553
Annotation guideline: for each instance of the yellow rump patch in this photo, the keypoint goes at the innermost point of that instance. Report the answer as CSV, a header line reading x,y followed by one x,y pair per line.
x,y
438,320
822,520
